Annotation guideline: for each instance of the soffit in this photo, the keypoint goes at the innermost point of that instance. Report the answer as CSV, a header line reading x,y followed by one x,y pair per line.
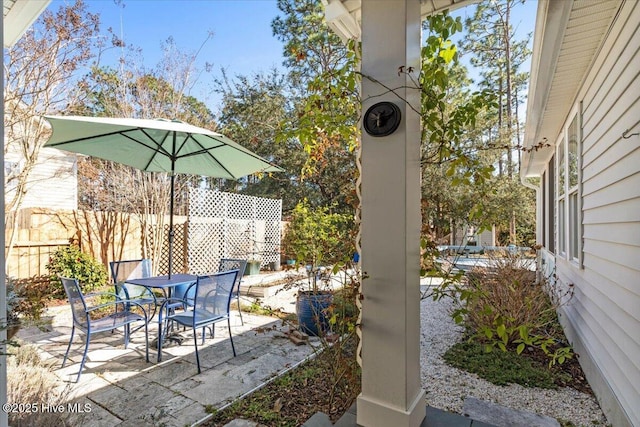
x,y
344,16
17,16
568,37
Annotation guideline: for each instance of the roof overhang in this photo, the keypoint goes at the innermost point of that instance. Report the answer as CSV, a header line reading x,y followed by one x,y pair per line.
x,y
18,15
344,17
568,37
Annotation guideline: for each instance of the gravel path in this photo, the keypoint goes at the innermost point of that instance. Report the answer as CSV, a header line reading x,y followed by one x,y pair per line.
x,y
446,387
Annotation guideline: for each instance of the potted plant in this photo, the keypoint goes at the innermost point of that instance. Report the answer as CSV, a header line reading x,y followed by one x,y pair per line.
x,y
315,237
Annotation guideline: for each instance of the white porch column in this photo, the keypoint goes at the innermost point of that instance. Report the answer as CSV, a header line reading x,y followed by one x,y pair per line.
x,y
391,390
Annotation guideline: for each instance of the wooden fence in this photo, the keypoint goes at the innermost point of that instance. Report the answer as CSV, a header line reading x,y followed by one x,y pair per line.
x,y
30,259
41,232
107,236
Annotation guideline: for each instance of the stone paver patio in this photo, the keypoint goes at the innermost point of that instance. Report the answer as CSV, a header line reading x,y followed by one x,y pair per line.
x,y
119,388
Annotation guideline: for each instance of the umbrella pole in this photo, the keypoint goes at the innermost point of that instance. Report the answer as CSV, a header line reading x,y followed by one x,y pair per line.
x,y
173,178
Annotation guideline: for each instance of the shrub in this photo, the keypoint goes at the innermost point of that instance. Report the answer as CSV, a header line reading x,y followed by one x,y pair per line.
x,y
504,307
70,261
29,380
13,300
32,294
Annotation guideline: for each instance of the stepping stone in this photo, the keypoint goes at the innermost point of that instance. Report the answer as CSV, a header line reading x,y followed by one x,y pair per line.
x,y
318,419
241,423
501,416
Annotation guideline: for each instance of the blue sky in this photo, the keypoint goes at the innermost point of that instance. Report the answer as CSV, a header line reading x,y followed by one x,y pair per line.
x,y
242,43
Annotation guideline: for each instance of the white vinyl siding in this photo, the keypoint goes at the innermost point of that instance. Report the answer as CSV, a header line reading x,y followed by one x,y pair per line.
x,y
52,183
603,319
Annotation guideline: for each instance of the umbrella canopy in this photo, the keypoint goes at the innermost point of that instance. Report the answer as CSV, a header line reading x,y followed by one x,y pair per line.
x,y
157,146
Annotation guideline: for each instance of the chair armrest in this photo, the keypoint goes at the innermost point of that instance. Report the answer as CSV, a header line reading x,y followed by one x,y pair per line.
x,y
149,292
166,302
98,294
115,303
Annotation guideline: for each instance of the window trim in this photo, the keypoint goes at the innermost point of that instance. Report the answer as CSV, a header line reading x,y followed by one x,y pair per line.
x,y
568,199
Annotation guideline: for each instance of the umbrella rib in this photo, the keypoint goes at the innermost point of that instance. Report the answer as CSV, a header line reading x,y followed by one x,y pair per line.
x,y
85,138
158,149
203,150
207,151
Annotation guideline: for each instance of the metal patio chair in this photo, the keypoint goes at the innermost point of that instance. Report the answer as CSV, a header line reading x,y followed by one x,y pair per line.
x,y
84,318
121,271
227,264
210,305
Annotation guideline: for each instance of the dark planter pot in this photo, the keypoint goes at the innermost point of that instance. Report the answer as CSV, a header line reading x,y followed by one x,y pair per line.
x,y
311,308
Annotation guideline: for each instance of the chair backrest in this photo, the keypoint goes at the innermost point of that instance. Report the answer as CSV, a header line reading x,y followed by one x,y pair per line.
x,y
76,301
227,264
121,271
214,293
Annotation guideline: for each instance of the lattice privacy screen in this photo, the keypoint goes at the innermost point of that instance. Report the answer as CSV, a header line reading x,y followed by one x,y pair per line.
x,y
180,249
228,225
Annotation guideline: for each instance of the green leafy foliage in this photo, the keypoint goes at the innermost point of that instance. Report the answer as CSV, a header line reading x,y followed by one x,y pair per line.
x,y
253,110
71,262
317,236
502,307
29,297
468,131
324,78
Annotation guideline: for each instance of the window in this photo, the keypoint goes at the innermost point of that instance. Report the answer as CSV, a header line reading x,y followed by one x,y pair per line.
x,y
11,172
569,218
573,166
545,204
550,201
561,238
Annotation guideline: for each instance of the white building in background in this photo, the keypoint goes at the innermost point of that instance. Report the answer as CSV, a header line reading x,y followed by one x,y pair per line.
x,y
52,184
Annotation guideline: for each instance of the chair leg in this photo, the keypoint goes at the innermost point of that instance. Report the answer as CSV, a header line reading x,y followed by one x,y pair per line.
x,y
239,310
195,342
160,334
84,355
146,339
127,330
211,328
233,347
73,330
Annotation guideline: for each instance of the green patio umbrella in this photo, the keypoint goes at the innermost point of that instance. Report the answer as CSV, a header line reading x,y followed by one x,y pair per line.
x,y
157,146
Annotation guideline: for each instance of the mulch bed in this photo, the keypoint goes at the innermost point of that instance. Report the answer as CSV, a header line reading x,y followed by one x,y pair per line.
x,y
573,376
294,398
